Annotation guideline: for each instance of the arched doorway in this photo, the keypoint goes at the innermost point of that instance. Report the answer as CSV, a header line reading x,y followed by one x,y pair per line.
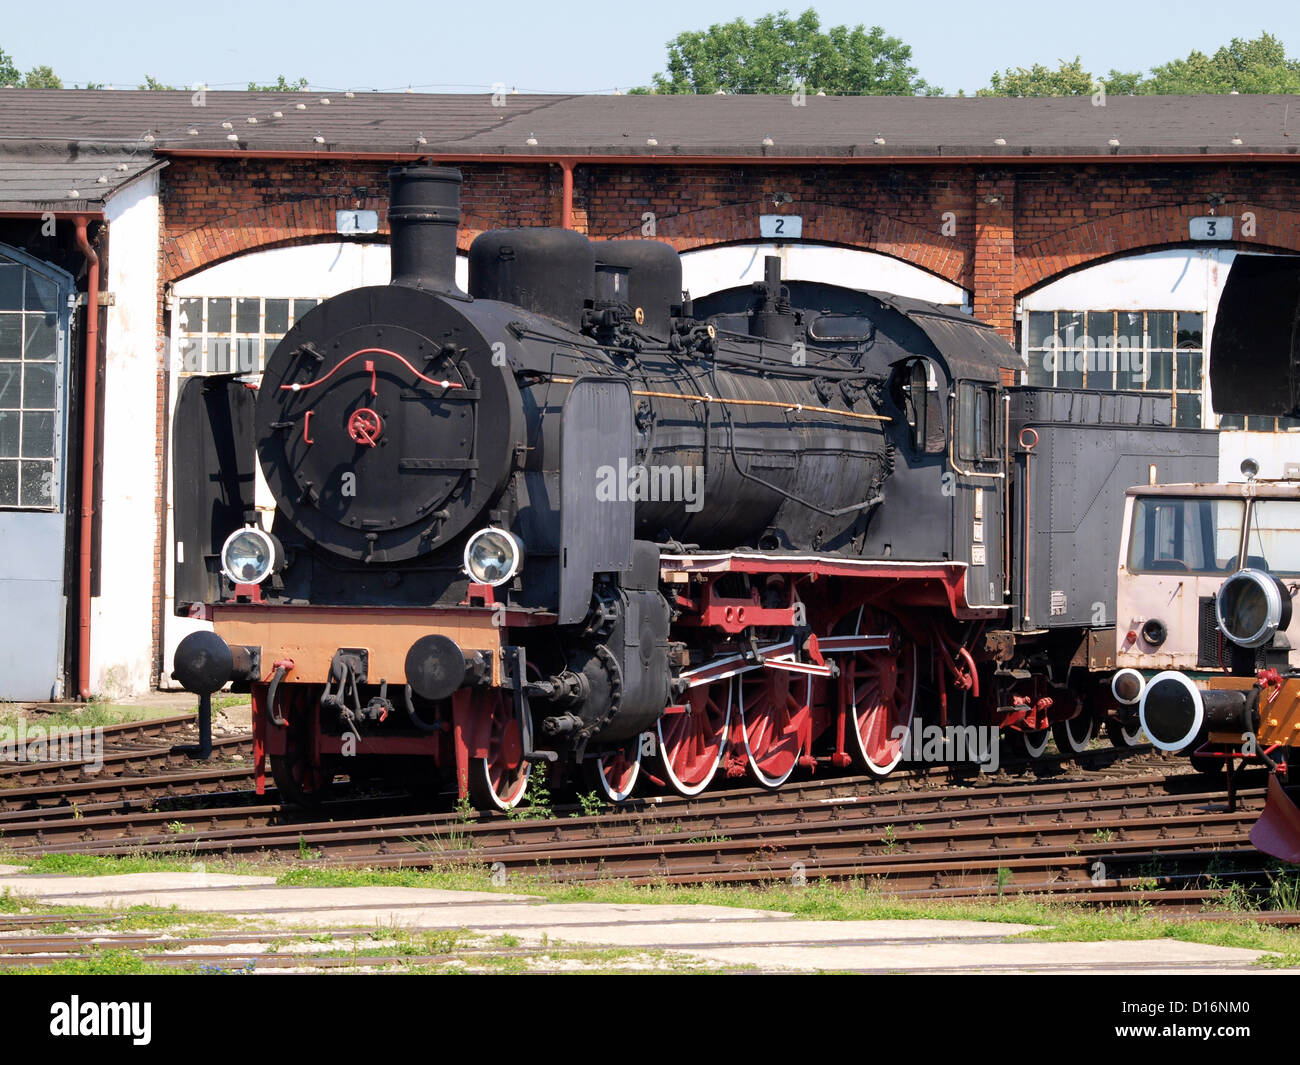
x,y
710,270
1144,323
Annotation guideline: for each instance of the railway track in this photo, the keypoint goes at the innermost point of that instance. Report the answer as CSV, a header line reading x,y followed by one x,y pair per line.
x,y
1127,830
1100,839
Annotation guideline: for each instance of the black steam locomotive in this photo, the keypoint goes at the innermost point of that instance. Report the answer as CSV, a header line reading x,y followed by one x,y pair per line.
x,y
574,516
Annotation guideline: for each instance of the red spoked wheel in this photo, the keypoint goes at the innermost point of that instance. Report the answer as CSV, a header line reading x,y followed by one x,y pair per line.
x,y
499,780
615,774
691,742
878,689
773,705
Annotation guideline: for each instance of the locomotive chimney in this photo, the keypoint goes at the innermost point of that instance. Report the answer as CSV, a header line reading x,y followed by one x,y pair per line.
x,y
423,215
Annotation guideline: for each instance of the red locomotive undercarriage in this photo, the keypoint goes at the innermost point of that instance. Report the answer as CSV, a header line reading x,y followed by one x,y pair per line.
x,y
824,669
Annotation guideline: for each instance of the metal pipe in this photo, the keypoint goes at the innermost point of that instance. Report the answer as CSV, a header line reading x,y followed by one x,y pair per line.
x,y
87,457
566,194
1006,494
1024,583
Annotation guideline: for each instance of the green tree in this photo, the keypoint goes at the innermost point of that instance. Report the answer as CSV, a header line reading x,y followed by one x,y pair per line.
x,y
42,78
281,85
1243,66
780,54
9,73
1258,66
153,84
1068,79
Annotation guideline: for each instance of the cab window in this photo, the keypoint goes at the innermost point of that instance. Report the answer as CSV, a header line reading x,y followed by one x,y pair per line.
x,y
1185,535
1274,541
915,394
977,417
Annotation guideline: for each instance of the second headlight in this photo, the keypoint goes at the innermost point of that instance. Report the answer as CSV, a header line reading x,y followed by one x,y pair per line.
x,y
493,556
250,555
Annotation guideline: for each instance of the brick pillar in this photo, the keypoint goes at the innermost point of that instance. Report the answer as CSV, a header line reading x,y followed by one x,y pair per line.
x,y
994,295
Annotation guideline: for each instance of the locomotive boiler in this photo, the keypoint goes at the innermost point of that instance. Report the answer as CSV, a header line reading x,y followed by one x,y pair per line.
x,y
573,516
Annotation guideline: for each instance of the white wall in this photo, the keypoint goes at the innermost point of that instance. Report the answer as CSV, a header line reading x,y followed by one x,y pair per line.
x,y
712,269
1177,279
121,634
311,270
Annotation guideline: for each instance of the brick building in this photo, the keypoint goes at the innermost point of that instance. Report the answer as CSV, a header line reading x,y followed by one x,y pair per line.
x,y
215,219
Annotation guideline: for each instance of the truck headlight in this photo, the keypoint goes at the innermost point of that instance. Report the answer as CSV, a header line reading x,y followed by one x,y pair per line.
x,y
493,556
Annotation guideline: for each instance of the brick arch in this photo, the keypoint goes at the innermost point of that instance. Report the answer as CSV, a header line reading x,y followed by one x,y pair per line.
x,y
1146,229
281,225
823,223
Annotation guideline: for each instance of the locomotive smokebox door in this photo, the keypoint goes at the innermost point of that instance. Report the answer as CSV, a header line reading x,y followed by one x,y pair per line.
x,y
596,501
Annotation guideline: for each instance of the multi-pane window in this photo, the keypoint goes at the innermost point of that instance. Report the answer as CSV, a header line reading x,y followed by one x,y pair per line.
x,y
30,387
1160,352
1257,423
225,334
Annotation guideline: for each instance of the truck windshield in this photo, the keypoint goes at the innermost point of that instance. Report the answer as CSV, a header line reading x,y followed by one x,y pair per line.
x,y
1185,535
1274,541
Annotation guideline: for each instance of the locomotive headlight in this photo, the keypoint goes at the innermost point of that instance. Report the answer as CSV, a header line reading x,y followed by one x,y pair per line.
x,y
1251,607
250,555
493,556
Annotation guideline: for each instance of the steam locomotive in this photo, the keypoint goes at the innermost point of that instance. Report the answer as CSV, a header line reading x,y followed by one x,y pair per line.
x,y
575,516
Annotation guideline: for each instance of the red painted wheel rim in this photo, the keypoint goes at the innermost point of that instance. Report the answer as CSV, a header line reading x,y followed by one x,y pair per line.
x,y
881,693
618,771
772,705
504,771
691,743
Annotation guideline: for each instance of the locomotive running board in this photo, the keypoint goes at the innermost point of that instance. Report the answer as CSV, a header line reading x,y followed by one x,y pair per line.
x,y
782,656
1277,832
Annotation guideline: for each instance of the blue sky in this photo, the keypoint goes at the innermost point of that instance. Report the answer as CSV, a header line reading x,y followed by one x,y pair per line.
x,y
586,46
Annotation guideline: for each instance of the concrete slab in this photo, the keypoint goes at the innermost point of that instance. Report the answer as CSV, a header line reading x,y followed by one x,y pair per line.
x,y
743,932
56,887
769,940
1005,957
6,869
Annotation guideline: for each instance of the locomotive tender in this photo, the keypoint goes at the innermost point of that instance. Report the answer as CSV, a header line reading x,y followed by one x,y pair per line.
x,y
575,516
